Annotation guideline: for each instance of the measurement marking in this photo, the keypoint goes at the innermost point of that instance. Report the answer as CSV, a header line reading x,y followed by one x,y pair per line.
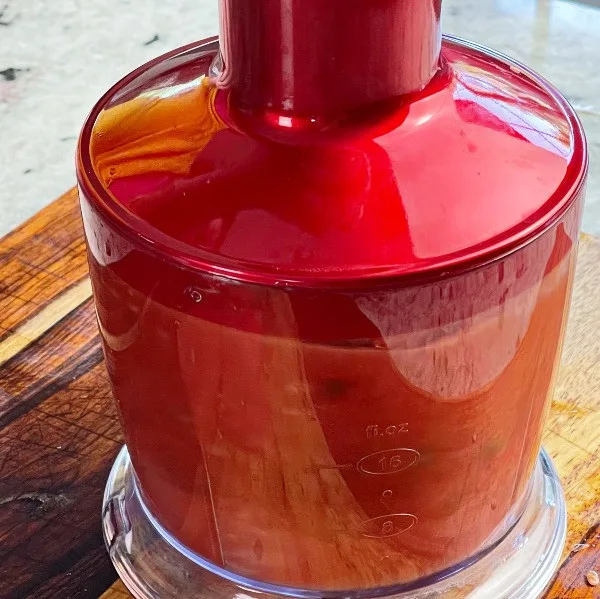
x,y
388,461
385,496
336,467
390,525
374,430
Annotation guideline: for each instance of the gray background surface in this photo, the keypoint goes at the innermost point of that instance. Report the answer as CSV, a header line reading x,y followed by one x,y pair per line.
x,y
58,56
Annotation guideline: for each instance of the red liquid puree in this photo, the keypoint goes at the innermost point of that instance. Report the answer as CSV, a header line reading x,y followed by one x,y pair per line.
x,y
320,438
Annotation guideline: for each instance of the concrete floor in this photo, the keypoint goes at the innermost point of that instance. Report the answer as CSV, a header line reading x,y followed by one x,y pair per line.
x,y
58,56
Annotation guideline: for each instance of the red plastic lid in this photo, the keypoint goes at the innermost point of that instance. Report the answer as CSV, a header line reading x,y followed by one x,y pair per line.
x,y
481,161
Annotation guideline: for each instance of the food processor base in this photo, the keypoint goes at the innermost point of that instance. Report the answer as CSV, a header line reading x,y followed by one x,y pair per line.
x,y
153,565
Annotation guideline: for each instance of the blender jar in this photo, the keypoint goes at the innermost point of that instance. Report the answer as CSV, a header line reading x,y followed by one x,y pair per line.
x,y
332,308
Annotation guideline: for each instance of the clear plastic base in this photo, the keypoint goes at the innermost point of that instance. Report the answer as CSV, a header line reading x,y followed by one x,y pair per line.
x,y
153,566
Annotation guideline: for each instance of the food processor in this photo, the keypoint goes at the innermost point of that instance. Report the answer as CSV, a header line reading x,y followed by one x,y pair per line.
x,y
332,254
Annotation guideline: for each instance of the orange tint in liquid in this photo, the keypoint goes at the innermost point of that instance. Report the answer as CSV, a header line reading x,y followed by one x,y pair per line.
x,y
333,467
326,439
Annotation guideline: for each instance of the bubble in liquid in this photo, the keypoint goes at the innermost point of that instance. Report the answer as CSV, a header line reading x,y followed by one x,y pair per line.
x,y
194,294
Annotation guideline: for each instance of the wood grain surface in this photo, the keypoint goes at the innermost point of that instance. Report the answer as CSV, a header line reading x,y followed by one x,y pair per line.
x,y
59,433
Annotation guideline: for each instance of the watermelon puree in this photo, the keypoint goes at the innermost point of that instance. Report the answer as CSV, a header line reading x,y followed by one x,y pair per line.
x,y
253,449
317,429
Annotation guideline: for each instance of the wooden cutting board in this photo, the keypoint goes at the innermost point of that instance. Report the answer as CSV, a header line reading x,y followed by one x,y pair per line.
x,y
59,432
